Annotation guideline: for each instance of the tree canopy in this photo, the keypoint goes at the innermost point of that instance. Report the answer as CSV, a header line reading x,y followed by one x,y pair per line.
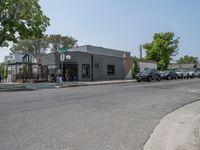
x,y
57,41
136,68
163,47
21,19
41,45
188,60
3,71
33,45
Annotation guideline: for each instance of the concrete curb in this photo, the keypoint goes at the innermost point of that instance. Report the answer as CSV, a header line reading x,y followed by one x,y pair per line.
x,y
198,133
24,87
93,84
179,130
14,88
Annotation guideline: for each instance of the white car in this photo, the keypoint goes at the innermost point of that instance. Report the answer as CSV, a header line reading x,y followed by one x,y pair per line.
x,y
194,73
182,73
197,72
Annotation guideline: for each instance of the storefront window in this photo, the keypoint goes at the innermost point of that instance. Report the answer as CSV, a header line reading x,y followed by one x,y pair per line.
x,y
110,69
86,71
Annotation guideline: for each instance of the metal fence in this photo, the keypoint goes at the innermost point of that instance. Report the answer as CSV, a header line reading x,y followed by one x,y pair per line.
x,y
31,77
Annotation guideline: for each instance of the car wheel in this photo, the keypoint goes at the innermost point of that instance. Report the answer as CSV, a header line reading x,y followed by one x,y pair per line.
x,y
138,80
150,78
193,76
159,78
182,77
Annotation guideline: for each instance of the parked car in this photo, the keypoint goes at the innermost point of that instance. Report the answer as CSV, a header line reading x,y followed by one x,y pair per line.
x,y
197,72
194,72
186,73
169,74
162,74
191,73
182,73
148,75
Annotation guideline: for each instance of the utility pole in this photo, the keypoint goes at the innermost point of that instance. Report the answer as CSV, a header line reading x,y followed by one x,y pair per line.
x,y
140,50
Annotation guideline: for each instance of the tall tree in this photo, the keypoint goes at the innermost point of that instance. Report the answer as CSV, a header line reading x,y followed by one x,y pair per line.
x,y
21,19
58,41
163,47
3,71
188,60
33,45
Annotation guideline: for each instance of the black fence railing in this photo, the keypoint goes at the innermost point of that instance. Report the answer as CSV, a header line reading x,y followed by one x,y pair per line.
x,y
31,77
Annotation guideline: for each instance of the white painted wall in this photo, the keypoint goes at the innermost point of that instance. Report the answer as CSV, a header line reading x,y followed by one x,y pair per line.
x,y
145,65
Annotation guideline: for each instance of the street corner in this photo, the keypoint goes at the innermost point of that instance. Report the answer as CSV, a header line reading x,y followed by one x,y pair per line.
x,y
178,130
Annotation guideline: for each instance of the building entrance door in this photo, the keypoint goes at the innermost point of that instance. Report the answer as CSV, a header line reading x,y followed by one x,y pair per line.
x,y
70,71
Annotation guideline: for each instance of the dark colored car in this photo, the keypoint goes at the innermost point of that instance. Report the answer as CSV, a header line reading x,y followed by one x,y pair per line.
x,y
169,74
148,75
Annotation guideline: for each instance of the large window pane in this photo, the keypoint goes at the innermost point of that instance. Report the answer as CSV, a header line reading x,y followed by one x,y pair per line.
x,y
86,71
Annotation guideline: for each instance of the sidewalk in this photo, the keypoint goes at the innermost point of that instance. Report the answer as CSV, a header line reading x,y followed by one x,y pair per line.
x,y
48,85
180,130
90,83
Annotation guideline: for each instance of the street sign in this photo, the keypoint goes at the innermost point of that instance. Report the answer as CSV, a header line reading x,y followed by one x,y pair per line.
x,y
62,57
62,50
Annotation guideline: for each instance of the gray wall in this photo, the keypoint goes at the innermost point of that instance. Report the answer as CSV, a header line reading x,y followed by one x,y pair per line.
x,y
50,59
80,58
101,72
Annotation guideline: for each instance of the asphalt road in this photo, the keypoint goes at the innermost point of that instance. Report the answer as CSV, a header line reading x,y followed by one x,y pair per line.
x,y
106,117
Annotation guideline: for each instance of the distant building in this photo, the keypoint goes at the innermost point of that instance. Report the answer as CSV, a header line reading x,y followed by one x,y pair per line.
x,y
147,64
33,69
14,63
176,66
143,64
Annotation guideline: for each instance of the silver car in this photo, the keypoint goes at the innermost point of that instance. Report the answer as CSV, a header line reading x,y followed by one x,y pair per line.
x,y
197,72
182,73
194,73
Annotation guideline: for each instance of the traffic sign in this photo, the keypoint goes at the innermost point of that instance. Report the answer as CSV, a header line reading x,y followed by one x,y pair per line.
x,y
62,57
62,50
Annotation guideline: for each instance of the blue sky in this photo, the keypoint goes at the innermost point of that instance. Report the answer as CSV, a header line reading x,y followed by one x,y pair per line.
x,y
124,24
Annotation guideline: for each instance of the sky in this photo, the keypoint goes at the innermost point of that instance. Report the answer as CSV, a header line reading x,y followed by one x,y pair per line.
x,y
124,24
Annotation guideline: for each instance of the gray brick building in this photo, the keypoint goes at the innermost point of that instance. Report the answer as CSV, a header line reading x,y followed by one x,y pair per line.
x,y
89,63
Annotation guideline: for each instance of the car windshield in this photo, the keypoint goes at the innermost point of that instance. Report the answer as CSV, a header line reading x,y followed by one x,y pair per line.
x,y
147,71
178,70
167,71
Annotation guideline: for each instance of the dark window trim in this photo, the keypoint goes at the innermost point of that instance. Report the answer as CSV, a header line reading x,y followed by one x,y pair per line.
x,y
87,75
111,71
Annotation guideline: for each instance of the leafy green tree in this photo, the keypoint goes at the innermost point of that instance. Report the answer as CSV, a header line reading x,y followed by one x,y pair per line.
x,y
188,60
3,70
21,19
33,45
41,45
58,41
136,68
163,47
